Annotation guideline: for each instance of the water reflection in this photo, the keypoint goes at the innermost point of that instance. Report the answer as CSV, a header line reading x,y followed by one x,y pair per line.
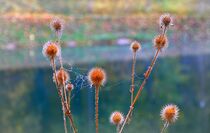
x,y
29,101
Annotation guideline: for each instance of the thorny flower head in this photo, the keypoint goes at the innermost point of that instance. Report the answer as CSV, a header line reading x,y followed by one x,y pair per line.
x,y
169,113
97,76
51,50
62,77
165,20
57,25
135,46
116,118
160,42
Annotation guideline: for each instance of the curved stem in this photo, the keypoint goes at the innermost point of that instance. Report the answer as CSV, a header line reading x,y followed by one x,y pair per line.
x,y
96,107
147,74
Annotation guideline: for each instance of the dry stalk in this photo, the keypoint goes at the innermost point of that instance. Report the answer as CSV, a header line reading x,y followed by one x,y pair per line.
x,y
96,107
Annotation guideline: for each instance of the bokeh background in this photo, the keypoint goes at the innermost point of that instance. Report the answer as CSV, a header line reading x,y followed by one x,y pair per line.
x,y
98,33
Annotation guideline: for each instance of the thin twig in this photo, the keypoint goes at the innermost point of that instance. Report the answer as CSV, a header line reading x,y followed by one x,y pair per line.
x,y
69,115
69,99
117,128
64,115
164,127
59,93
96,107
65,99
132,79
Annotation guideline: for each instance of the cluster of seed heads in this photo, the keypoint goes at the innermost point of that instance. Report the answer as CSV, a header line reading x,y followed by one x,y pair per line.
x,y
97,75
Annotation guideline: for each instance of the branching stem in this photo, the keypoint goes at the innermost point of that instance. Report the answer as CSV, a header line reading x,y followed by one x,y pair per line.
x,y
147,74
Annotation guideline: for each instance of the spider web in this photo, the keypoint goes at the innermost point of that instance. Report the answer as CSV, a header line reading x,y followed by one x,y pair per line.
x,y
80,80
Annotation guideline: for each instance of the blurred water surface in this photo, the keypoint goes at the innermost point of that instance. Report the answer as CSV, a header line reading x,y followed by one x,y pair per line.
x,y
98,34
29,101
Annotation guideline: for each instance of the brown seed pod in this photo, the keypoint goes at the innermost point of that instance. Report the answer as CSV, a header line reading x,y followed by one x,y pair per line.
x,y
62,77
160,42
69,87
116,118
135,46
165,20
57,25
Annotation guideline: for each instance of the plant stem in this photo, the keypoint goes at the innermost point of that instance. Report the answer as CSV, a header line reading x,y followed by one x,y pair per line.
x,y
132,76
164,127
70,116
69,103
60,55
69,99
147,74
64,116
65,99
59,93
72,122
117,128
96,106
132,79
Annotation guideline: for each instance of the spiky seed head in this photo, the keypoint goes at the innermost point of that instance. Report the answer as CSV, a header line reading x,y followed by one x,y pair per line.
x,y
135,46
50,50
170,113
57,25
160,42
97,76
69,87
116,118
165,20
62,77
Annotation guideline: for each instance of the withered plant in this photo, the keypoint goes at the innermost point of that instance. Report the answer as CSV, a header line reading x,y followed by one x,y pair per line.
x,y
97,77
160,42
52,50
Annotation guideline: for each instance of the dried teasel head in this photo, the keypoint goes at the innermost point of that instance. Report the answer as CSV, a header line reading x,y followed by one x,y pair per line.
x,y
169,113
160,42
116,118
69,87
97,76
57,25
165,20
135,46
62,76
51,50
